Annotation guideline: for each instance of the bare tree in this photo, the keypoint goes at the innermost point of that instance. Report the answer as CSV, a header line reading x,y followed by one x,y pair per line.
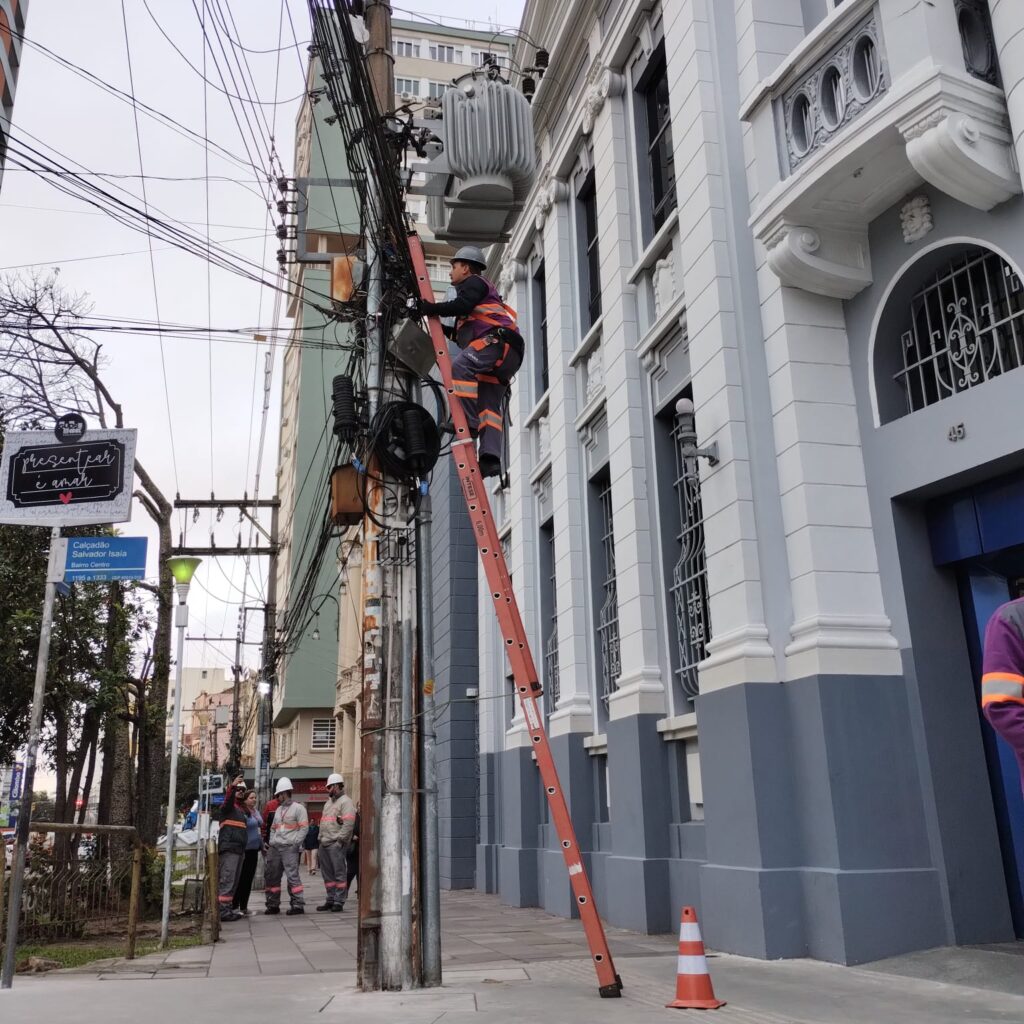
x,y
51,366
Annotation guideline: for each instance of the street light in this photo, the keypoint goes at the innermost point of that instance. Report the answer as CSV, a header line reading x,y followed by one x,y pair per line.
x,y
182,569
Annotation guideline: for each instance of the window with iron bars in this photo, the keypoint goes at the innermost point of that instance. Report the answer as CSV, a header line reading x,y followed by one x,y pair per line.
x,y
590,256
608,611
540,328
549,613
689,586
323,734
660,153
966,327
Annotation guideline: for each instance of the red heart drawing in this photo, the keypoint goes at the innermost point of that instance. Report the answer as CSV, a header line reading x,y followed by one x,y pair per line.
x,y
66,497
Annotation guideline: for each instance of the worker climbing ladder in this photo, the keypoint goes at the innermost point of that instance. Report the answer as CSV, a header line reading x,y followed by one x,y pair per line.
x,y
517,648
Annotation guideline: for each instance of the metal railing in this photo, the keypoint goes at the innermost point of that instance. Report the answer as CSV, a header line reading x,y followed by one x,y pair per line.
x,y
66,896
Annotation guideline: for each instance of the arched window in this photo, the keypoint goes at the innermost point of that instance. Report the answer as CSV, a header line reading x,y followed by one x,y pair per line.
x,y
951,325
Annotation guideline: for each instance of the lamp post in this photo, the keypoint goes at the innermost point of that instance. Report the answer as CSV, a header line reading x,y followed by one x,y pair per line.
x,y
182,569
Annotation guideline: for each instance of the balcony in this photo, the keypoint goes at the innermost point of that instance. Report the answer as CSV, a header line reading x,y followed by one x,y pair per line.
x,y
881,97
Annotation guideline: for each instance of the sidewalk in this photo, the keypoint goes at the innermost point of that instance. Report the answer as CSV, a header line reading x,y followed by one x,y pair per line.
x,y
505,965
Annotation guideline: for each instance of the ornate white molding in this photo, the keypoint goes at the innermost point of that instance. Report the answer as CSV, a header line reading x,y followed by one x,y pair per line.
x,y
664,280
827,262
916,219
843,645
512,273
555,190
593,370
967,155
609,83
640,692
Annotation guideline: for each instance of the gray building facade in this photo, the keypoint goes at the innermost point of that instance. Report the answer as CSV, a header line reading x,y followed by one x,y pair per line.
x,y
761,672
12,29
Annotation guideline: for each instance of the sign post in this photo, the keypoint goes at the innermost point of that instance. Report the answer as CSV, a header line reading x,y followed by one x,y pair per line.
x,y
56,478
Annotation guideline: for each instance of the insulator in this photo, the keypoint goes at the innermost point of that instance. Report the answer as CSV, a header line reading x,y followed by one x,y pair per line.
x,y
346,419
282,207
529,88
542,59
281,232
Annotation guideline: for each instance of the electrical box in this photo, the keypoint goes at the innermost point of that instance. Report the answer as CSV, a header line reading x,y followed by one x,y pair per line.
x,y
346,496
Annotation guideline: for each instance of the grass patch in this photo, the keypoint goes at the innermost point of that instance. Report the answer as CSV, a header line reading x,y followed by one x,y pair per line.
x,y
78,954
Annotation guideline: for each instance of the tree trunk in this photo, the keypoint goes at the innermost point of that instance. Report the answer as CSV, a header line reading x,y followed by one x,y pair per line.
x,y
90,774
152,706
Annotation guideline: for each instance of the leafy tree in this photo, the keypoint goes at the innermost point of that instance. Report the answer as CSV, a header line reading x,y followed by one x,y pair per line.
x,y
49,367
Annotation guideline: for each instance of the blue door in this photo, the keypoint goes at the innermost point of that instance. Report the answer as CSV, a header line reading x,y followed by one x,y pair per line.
x,y
983,588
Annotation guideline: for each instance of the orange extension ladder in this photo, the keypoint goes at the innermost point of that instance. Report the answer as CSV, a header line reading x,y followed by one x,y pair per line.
x,y
516,646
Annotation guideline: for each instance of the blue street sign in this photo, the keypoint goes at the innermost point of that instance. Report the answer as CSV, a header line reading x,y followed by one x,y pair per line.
x,y
102,559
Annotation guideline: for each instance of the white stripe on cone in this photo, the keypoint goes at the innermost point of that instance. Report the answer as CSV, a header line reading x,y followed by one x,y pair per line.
x,y
692,965
689,932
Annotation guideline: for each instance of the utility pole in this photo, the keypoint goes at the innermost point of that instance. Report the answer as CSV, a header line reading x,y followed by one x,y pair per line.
x,y
269,667
249,508
31,754
372,850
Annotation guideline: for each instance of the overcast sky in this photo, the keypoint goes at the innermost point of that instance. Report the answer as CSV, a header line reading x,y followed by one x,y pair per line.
x,y
212,389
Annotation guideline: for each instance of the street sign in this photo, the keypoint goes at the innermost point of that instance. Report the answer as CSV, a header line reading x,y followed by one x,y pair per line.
x,y
101,559
48,482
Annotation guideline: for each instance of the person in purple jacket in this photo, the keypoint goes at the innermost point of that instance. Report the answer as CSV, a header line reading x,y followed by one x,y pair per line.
x,y
1002,679
492,351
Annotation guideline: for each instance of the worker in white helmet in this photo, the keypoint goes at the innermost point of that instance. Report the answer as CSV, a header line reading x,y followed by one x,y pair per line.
x,y
336,825
287,830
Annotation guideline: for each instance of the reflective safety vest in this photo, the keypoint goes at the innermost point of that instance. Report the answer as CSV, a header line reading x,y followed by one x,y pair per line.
x,y
485,316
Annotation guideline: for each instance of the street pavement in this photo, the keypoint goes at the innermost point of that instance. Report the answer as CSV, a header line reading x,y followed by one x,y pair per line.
x,y
507,965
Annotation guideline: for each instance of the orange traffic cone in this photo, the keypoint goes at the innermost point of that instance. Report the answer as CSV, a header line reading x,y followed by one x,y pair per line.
x,y
693,983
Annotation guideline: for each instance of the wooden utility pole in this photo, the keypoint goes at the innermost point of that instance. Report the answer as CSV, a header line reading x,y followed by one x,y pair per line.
x,y
380,62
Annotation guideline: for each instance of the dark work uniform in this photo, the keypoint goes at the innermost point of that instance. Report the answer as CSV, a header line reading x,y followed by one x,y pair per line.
x,y
491,353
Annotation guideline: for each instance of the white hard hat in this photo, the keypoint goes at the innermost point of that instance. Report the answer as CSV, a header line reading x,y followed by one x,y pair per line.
x,y
284,784
334,779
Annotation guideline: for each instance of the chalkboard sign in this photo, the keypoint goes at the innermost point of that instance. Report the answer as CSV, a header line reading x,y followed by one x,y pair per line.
x,y
46,482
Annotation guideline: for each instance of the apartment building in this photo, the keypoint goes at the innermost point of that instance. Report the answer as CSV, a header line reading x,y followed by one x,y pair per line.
x,y
762,662
12,28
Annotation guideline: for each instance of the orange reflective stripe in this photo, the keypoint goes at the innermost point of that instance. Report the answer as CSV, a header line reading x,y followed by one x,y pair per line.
x,y
504,354
348,817
286,825
479,344
233,823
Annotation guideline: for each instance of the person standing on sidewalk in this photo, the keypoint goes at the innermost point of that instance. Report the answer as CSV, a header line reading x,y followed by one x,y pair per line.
x,y
287,831
336,826
310,846
1002,679
253,845
352,860
231,841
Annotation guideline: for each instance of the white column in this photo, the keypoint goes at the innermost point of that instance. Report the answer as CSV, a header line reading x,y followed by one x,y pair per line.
x,y
839,623
518,503
1008,31
739,650
640,687
568,488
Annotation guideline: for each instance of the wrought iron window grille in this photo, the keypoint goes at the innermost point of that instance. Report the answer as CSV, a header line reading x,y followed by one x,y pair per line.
x,y
689,589
608,616
966,327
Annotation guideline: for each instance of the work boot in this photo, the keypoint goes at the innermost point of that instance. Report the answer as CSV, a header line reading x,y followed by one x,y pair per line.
x,y
337,908
292,911
490,465
272,910
325,906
